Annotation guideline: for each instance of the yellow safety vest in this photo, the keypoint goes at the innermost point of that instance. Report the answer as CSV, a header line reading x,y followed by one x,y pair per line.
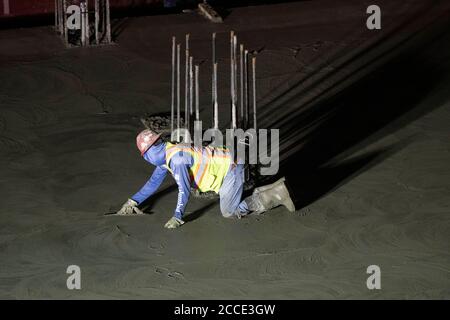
x,y
210,165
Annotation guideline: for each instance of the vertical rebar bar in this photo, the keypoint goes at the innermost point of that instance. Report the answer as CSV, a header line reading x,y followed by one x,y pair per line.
x,y
232,76
231,48
63,8
212,77
241,80
246,114
233,101
255,126
103,19
197,95
186,83
178,92
191,85
246,93
172,105
66,35
213,48
235,86
56,15
97,18
83,22
216,103
108,22
60,17
88,29
232,82
191,90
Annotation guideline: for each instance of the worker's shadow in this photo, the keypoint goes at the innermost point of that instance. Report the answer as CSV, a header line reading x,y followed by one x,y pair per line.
x,y
362,114
200,212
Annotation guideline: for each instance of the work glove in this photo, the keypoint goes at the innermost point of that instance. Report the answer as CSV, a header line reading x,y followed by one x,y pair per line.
x,y
129,207
173,223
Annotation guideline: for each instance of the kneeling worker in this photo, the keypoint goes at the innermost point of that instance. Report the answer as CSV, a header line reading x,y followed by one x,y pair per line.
x,y
205,169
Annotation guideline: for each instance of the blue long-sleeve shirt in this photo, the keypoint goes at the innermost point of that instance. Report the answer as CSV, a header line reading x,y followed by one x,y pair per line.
x,y
179,164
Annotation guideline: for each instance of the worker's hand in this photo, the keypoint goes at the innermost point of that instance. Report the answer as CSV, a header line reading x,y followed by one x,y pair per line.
x,y
129,207
173,223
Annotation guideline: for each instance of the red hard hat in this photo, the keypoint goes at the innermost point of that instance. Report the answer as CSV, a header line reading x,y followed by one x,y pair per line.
x,y
146,139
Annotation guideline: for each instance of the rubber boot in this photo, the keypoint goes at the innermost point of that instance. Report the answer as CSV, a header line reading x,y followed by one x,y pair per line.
x,y
267,197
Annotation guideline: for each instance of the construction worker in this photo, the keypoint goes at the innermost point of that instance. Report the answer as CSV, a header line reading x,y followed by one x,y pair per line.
x,y
205,169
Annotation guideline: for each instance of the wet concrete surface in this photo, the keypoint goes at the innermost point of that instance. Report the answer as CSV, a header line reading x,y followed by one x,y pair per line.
x,y
364,119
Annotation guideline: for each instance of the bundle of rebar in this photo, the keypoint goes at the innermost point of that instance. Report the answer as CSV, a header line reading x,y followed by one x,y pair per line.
x,y
240,89
66,11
